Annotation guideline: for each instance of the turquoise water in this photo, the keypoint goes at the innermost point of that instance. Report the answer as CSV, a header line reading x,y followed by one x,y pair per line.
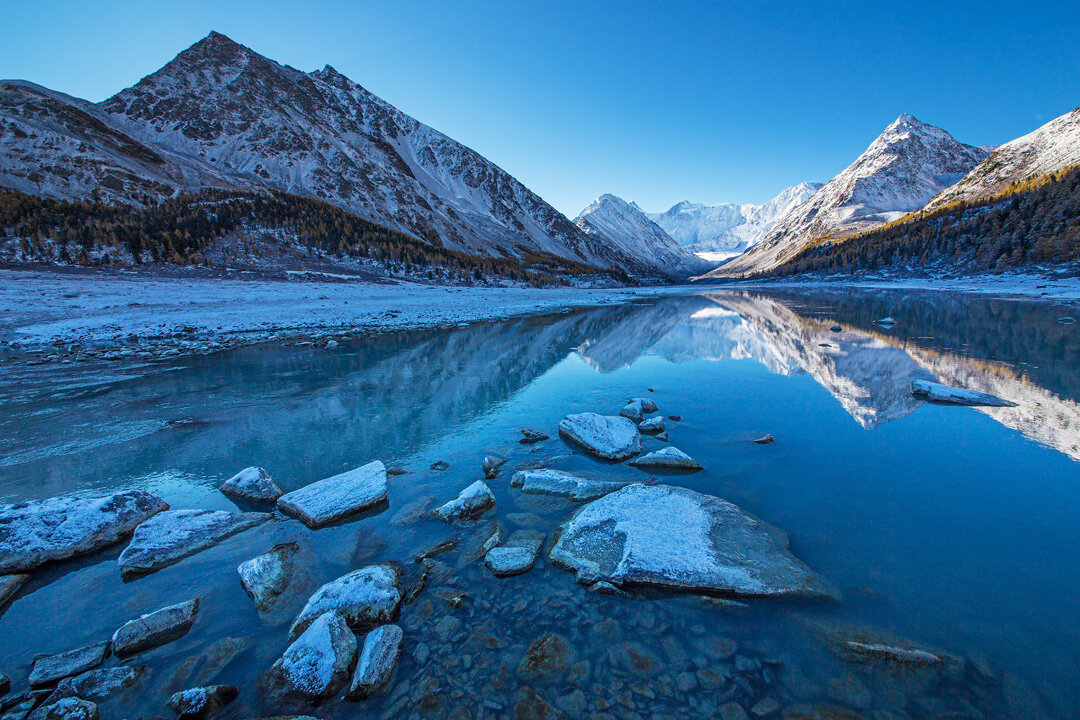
x,y
953,528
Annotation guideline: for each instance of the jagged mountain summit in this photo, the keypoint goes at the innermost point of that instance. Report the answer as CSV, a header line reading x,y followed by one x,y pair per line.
x,y
727,228
907,165
1053,147
624,227
221,115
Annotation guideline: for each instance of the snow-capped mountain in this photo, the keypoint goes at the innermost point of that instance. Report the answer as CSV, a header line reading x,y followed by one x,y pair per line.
x,y
222,115
727,228
1053,147
623,227
907,165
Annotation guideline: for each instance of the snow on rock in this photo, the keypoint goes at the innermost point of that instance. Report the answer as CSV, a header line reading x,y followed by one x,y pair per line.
x,y
472,502
517,555
39,531
98,684
337,497
669,458
608,436
946,394
49,668
376,662
365,598
156,628
253,484
201,702
69,708
677,538
647,404
267,576
633,411
173,535
653,425
562,484
317,664
9,585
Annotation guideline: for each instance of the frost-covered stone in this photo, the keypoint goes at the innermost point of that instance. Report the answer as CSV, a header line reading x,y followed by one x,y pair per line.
x,y
173,535
49,668
669,458
647,404
9,585
201,702
517,555
562,484
365,598
376,662
472,502
633,411
69,708
936,392
652,425
610,437
96,685
317,664
267,576
337,497
253,484
156,628
677,538
491,466
39,531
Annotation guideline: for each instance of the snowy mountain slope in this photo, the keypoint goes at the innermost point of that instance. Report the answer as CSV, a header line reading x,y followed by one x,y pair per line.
x,y
909,163
622,226
1053,147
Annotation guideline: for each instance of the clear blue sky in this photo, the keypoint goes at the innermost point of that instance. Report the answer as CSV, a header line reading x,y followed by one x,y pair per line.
x,y
655,102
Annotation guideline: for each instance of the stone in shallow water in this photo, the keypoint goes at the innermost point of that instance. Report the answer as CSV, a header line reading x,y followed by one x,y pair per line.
x,y
653,425
936,392
376,661
251,483
48,668
201,702
607,436
39,531
472,502
317,664
677,538
173,535
267,576
562,484
337,497
156,628
633,411
530,437
669,458
547,658
99,684
9,585
365,598
70,708
491,466
517,555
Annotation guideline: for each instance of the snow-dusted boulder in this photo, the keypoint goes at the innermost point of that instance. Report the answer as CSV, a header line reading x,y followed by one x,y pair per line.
x,y
562,484
337,497
607,436
472,502
936,392
376,662
365,598
517,555
317,664
677,538
669,458
9,585
69,708
201,702
39,531
633,411
653,425
265,577
647,404
49,668
173,535
252,484
156,628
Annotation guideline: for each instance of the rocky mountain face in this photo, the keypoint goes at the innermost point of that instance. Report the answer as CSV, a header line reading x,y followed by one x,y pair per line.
x,y
221,115
622,226
907,165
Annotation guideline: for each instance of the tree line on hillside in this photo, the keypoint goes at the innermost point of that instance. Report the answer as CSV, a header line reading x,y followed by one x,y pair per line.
x,y
1037,221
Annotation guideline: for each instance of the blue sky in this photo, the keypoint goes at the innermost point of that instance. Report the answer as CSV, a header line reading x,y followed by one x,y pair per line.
x,y
655,102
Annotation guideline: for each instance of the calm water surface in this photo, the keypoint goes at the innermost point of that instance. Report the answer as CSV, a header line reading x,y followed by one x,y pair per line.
x,y
952,528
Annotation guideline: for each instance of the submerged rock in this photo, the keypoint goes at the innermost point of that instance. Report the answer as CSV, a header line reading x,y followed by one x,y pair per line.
x,y
472,502
936,392
677,538
9,585
562,484
529,436
201,702
156,628
492,465
516,555
653,425
173,535
365,598
376,661
669,458
607,436
547,658
440,465
49,668
337,497
253,484
882,652
317,664
99,684
39,531
267,576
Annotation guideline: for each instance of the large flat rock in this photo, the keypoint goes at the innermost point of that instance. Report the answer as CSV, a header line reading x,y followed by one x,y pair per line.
x,y
562,484
156,628
611,437
676,538
171,536
48,668
39,531
365,598
337,497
